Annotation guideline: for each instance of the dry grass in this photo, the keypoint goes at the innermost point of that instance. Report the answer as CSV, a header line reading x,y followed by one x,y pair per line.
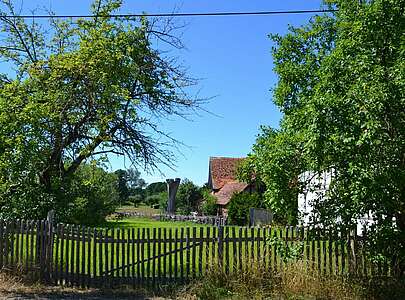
x,y
293,282
296,280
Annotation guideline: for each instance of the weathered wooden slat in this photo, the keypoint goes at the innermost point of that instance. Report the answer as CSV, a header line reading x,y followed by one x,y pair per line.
x,y
143,254
94,257
66,266
100,259
281,239
6,243
165,244
234,251
89,244
363,252
123,258
336,248
62,254
170,257
246,245
148,252
188,252
134,276
175,271
117,255
240,258
72,257
252,244
194,255
83,257
12,239
28,247
266,250
226,249
17,242
207,249
138,256
112,262
220,242
181,254
330,245
2,246
214,242
200,252
56,264
107,283
343,250
155,269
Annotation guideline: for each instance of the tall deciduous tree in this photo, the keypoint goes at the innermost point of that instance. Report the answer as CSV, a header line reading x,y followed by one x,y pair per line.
x,y
83,88
342,91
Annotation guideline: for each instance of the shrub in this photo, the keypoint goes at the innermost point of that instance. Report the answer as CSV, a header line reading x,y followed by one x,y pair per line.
x,y
240,203
156,199
188,197
209,206
135,200
94,196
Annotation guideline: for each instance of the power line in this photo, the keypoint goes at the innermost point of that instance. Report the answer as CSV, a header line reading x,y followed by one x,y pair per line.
x,y
251,13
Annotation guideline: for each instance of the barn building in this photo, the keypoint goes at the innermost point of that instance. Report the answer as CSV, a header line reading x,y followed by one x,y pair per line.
x,y
223,182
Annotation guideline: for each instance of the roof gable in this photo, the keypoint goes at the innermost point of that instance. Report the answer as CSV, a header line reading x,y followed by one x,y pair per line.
x,y
222,170
226,192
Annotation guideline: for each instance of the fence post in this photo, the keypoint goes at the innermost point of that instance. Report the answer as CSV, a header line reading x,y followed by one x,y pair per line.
x,y
220,245
48,235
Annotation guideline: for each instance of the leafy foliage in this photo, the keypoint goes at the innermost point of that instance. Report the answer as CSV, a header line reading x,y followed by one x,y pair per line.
x,y
188,197
209,206
341,88
239,205
275,162
122,186
288,253
94,195
156,199
156,187
81,90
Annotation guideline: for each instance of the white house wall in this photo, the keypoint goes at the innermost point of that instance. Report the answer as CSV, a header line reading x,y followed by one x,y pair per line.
x,y
315,187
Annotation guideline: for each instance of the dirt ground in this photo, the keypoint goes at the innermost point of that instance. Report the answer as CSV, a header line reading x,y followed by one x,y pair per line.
x,y
13,288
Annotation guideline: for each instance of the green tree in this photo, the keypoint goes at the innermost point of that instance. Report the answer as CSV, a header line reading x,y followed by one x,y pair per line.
x,y
81,90
93,193
276,163
209,206
341,89
188,197
122,185
156,188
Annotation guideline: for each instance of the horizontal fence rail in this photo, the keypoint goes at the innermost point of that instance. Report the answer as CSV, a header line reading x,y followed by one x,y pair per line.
x,y
75,255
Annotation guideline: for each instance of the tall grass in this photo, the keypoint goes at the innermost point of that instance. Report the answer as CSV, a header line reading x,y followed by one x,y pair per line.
x,y
295,280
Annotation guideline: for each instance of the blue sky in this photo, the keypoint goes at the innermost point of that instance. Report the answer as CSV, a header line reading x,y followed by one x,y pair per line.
x,y
232,55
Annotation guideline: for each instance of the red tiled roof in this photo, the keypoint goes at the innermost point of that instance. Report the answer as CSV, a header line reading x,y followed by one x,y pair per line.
x,y
223,170
225,193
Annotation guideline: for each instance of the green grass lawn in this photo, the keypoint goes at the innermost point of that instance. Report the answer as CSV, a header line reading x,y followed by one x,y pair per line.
x,y
140,222
143,209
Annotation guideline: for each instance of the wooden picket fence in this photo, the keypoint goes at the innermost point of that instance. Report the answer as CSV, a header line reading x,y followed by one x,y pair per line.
x,y
90,257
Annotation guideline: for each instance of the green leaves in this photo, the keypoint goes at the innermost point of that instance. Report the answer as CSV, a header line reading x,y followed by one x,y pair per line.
x,y
84,89
341,88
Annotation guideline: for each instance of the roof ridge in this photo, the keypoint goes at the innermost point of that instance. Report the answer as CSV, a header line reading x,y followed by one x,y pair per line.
x,y
226,157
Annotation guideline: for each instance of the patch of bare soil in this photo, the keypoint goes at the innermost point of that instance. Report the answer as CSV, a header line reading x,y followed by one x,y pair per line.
x,y
12,288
